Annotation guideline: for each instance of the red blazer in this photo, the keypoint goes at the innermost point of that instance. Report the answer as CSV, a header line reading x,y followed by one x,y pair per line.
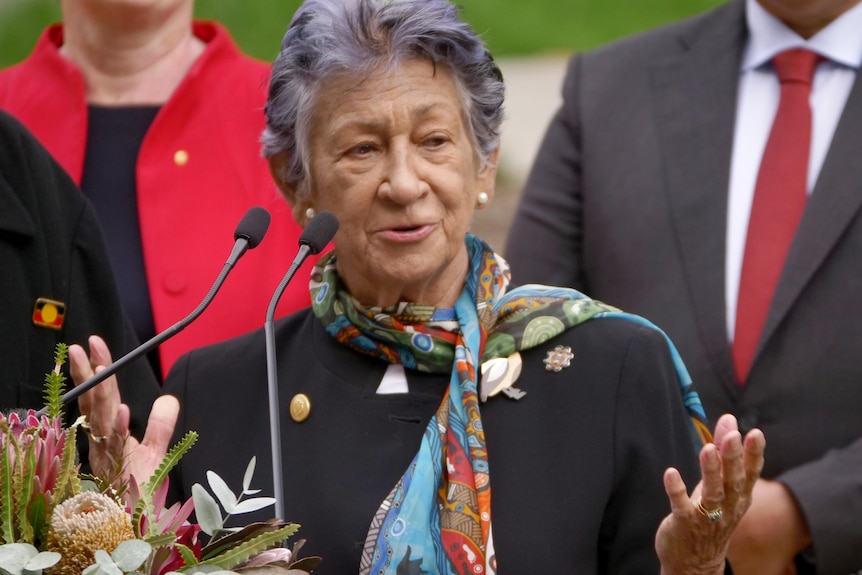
x,y
198,171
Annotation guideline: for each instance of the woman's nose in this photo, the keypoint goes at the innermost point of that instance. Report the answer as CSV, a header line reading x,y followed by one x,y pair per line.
x,y
403,183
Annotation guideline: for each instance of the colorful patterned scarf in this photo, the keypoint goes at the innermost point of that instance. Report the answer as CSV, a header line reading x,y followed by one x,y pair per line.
x,y
437,518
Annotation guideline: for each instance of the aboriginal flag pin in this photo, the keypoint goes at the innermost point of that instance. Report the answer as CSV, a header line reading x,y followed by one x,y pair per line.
x,y
49,313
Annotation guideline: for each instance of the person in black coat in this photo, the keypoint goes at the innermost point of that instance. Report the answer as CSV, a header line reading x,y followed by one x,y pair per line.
x,y
57,286
436,418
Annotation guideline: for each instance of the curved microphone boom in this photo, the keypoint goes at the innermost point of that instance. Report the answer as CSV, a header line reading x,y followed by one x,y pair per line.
x,y
314,238
249,233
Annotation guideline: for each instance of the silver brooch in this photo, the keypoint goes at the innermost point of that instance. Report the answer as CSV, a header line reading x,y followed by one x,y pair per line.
x,y
558,358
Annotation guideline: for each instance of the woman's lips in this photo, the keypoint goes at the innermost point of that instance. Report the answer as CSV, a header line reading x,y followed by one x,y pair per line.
x,y
407,233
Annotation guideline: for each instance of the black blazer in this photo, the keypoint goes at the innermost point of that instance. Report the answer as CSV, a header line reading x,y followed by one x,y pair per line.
x,y
51,246
576,465
628,202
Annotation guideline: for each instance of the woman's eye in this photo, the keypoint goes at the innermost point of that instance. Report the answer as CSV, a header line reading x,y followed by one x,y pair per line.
x,y
435,141
362,149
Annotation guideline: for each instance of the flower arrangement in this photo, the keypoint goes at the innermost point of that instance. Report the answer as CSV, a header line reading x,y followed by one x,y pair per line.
x,y
57,520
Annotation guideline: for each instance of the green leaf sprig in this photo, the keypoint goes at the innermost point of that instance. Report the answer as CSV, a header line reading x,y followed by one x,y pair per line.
x,y
55,383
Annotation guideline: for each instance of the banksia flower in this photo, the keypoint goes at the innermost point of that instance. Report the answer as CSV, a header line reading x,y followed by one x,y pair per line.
x,y
82,525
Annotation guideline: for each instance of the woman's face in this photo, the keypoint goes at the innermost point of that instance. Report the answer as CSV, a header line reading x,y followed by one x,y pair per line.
x,y
392,157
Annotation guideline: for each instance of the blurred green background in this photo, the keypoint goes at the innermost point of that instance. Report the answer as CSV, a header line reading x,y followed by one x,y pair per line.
x,y
510,27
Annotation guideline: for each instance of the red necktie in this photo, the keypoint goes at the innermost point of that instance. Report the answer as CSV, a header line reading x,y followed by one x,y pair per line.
x,y
779,200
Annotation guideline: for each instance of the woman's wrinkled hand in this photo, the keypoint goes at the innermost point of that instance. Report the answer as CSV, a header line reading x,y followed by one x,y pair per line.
x,y
693,539
114,453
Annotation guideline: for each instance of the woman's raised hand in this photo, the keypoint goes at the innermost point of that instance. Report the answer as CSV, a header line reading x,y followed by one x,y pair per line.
x,y
693,539
114,453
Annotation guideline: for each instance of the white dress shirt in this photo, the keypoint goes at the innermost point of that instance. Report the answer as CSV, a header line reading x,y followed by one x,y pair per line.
x,y
840,43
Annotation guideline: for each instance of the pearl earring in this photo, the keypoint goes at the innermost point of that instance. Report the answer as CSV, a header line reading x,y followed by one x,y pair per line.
x,y
482,199
309,213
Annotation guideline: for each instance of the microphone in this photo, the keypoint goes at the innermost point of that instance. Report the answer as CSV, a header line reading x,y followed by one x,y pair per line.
x,y
314,238
249,233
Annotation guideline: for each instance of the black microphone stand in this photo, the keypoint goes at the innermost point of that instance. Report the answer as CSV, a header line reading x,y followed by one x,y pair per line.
x,y
248,235
314,238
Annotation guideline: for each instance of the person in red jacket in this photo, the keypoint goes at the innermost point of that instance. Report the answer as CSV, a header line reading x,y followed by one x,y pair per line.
x,y
158,118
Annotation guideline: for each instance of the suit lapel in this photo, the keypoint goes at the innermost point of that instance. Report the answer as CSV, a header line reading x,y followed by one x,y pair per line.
x,y
834,204
695,93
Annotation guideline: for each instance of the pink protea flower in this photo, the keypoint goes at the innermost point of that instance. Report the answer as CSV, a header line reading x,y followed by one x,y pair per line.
x,y
32,447
46,437
161,519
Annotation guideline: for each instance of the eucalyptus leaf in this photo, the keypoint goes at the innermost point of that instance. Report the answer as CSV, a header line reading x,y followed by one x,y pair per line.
x,y
23,550
43,560
14,556
109,569
225,496
249,505
102,569
249,473
102,557
250,491
17,552
129,555
207,510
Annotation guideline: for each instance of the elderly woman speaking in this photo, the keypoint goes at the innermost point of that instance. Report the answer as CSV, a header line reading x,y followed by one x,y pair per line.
x,y
444,421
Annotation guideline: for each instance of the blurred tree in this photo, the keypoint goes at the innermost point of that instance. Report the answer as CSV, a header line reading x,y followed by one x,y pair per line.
x,y
511,27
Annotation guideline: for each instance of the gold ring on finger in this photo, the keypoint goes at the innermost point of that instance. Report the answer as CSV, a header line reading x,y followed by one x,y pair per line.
x,y
712,515
89,431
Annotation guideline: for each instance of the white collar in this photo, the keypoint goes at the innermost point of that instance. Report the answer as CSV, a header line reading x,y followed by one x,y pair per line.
x,y
840,42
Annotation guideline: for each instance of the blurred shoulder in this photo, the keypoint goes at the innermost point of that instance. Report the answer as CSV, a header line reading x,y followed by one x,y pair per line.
x,y
224,57
612,339
29,172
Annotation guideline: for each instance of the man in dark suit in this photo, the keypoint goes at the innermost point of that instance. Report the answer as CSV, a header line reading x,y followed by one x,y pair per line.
x,y
57,284
641,195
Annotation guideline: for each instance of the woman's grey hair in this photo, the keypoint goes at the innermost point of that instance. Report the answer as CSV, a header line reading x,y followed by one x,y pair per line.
x,y
334,38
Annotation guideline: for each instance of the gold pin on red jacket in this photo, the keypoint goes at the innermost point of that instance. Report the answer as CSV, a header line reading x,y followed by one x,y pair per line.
x,y
49,313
